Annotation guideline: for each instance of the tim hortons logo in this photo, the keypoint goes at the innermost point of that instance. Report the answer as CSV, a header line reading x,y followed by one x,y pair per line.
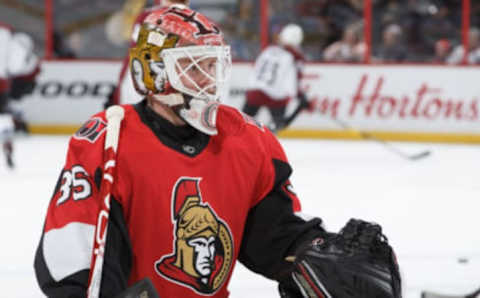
x,y
424,102
202,255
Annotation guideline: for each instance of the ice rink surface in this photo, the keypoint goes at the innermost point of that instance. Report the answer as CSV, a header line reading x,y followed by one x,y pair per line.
x,y
428,208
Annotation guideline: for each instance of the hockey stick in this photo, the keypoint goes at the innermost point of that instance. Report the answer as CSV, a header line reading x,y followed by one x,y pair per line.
x,y
114,118
435,295
303,104
292,116
367,136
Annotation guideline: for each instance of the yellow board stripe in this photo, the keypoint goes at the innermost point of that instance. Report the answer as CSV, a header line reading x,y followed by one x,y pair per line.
x,y
53,129
318,134
383,135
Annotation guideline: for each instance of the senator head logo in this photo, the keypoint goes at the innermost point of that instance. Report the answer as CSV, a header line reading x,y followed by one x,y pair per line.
x,y
203,250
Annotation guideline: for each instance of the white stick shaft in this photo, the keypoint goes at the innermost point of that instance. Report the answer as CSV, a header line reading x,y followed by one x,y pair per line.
x,y
114,115
114,119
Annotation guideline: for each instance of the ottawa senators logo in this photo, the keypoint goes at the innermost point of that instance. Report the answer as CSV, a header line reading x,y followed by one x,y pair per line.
x,y
203,249
91,130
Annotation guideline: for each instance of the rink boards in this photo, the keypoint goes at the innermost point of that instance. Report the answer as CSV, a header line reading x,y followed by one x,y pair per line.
x,y
394,102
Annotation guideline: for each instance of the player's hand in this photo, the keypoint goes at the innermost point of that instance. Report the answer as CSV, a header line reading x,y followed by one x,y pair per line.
x,y
356,263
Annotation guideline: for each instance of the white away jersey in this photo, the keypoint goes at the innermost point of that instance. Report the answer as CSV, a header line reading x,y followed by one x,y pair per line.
x,y
276,73
16,54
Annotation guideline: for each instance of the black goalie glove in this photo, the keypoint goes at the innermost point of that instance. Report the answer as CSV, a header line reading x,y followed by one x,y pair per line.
x,y
356,263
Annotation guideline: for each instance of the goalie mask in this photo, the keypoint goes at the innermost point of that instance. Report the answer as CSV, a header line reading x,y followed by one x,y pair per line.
x,y
179,51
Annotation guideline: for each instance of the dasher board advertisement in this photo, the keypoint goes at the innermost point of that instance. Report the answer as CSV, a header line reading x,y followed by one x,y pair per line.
x,y
393,100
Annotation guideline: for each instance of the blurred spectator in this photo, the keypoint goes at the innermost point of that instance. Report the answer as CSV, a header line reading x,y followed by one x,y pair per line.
x,y
349,49
442,50
344,12
323,21
60,48
311,16
311,8
422,23
241,28
473,56
391,49
435,26
340,14
475,13
409,15
19,67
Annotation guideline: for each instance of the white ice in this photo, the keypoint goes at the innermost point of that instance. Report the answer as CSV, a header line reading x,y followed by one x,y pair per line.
x,y
428,208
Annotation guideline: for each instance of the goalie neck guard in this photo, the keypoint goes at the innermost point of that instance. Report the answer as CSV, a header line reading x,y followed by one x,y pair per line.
x,y
180,50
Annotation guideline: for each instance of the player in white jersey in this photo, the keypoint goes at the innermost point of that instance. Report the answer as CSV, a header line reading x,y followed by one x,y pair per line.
x,y
276,77
19,67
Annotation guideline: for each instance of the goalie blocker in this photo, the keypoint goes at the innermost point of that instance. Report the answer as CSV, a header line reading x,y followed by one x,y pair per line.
x,y
356,263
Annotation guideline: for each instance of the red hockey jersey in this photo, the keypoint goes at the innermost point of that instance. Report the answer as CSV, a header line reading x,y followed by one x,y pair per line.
x,y
183,206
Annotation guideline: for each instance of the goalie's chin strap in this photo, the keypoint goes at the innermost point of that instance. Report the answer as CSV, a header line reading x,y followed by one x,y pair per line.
x,y
199,113
171,99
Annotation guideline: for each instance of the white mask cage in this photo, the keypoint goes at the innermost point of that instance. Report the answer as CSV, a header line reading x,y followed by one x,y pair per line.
x,y
199,71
